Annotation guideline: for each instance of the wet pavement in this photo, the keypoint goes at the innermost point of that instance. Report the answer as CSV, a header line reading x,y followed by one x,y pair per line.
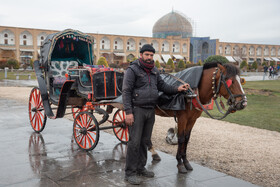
x,y
52,158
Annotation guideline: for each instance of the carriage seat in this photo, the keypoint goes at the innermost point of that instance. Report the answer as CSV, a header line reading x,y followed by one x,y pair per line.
x,y
58,70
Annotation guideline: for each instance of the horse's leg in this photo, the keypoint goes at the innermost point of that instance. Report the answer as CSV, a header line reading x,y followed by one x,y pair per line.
x,y
188,131
185,160
180,151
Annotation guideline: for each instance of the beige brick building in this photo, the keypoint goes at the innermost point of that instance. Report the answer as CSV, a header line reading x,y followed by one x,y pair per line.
x,y
171,39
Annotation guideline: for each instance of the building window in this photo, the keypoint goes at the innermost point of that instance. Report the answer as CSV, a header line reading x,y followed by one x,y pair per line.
x,y
24,36
140,43
127,47
102,46
6,41
103,41
42,37
116,42
6,35
24,42
116,47
152,44
127,43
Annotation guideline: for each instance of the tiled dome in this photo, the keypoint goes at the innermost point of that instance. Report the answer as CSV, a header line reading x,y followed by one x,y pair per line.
x,y
172,24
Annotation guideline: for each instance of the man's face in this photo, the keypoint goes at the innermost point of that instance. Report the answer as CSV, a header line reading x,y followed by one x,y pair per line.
x,y
147,56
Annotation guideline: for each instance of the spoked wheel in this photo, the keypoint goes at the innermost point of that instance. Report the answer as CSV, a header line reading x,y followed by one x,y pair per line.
x,y
86,131
121,131
36,111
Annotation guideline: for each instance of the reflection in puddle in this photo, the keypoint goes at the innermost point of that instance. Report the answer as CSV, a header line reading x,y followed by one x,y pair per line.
x,y
77,162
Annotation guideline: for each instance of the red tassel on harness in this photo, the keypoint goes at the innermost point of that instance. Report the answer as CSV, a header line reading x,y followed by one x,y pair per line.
x,y
229,82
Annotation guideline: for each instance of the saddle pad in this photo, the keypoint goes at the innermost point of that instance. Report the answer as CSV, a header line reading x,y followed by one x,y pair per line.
x,y
177,102
191,76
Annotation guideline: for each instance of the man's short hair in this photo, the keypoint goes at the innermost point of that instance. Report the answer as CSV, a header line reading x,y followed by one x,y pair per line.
x,y
147,47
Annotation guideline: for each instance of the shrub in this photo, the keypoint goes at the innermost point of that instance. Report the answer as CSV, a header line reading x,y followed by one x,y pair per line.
x,y
216,58
243,65
272,63
102,61
181,64
170,63
255,65
157,64
13,63
200,63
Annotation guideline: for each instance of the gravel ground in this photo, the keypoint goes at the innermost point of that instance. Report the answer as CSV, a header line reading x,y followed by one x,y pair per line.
x,y
244,152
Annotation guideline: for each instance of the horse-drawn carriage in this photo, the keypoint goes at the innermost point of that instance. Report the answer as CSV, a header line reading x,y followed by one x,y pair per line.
x,y
68,79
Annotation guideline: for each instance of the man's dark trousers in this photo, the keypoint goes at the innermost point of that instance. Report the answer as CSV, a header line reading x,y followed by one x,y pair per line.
x,y
139,136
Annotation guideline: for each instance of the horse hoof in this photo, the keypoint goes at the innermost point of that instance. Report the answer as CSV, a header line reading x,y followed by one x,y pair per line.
x,y
182,169
156,157
188,166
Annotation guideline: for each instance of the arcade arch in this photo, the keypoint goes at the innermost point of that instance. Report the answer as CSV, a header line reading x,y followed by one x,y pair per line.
x,y
26,38
176,47
165,46
130,45
105,43
41,37
7,37
118,44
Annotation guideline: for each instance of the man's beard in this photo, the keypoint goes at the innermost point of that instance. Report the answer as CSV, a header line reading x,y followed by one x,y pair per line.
x,y
149,61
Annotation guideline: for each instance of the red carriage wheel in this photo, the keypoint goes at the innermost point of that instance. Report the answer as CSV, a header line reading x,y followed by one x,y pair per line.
x,y
86,131
36,110
121,132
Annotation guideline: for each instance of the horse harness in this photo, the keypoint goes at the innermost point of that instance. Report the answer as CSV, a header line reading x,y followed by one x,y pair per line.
x,y
227,83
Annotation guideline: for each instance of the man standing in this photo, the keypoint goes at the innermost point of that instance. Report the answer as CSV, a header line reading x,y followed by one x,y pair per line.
x,y
141,85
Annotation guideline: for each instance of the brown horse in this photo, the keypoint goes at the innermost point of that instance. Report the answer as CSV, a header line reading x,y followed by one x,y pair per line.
x,y
217,80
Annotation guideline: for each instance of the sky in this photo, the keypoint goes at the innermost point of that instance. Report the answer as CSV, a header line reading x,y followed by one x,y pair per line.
x,y
238,21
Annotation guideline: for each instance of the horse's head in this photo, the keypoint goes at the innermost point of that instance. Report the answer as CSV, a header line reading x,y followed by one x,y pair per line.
x,y
228,84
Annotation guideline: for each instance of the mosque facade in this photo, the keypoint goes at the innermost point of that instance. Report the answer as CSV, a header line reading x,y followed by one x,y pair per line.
x,y
172,38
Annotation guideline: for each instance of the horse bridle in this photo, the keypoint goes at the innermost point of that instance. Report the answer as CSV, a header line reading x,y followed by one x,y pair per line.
x,y
232,97
231,100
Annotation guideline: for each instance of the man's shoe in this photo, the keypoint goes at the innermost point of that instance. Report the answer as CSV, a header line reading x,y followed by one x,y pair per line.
x,y
146,173
133,179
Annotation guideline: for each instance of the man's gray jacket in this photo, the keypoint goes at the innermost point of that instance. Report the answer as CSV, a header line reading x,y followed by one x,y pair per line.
x,y
141,89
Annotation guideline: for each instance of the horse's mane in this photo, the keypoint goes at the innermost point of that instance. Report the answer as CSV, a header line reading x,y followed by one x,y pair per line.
x,y
232,70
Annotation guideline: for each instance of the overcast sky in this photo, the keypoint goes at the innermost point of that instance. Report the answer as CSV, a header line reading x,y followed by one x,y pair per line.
x,y
245,21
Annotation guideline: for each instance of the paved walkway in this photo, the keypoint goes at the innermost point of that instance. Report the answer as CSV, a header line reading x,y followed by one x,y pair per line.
x,y
53,159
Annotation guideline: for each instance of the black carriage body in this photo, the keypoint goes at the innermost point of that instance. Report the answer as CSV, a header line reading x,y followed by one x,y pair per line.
x,y
102,85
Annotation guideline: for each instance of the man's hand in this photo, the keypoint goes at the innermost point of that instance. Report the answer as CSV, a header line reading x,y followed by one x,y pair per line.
x,y
129,120
183,87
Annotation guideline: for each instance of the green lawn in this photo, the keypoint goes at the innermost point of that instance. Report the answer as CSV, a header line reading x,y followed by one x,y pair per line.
x,y
12,75
263,110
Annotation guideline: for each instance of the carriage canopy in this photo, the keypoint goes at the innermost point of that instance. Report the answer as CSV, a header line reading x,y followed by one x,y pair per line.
x,y
67,45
